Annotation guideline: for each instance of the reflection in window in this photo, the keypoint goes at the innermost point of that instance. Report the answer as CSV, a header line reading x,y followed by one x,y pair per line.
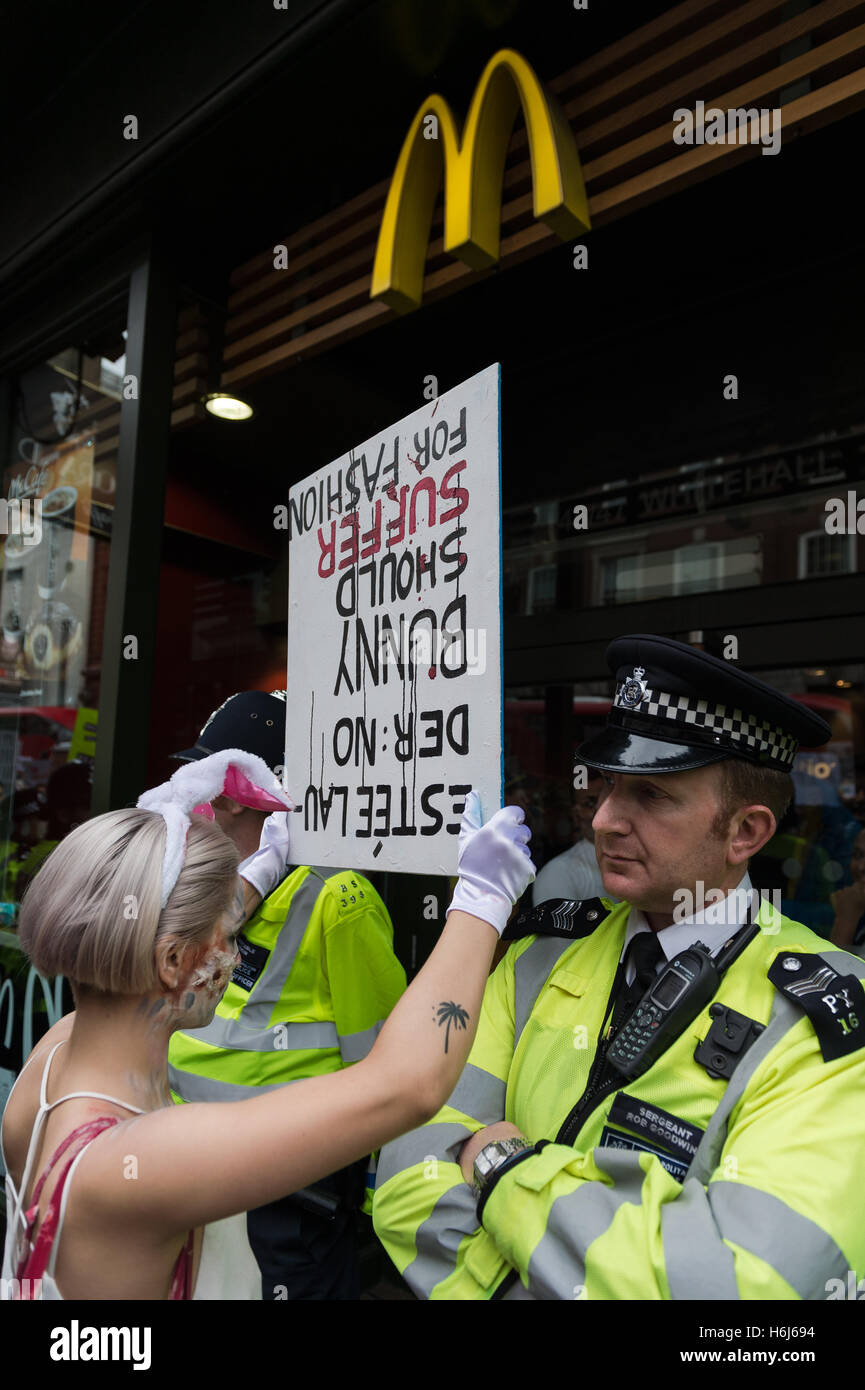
x,y
59,480
821,554
812,855
620,576
688,569
728,523
541,589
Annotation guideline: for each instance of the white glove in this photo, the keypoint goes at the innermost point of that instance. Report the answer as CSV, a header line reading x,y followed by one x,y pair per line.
x,y
495,867
267,867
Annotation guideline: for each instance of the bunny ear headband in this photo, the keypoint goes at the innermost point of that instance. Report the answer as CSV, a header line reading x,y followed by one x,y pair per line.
x,y
232,772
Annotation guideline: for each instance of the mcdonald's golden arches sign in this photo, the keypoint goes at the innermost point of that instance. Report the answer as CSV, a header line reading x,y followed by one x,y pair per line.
x,y
473,170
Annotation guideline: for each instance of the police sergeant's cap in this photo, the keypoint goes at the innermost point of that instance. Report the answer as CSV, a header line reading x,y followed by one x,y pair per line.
x,y
677,708
253,720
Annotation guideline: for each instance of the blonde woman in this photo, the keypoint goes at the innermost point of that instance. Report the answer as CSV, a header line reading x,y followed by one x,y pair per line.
x,y
113,1192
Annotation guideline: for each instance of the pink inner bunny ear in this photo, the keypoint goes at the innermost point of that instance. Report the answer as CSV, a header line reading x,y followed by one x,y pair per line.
x,y
238,786
204,809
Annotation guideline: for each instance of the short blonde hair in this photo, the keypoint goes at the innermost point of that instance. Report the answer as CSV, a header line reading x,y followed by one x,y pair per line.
x,y
92,912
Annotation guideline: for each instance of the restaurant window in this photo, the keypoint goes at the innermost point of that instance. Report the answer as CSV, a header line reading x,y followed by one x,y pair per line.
x,y
59,479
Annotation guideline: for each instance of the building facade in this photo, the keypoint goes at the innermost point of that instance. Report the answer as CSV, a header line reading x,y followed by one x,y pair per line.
x,y
682,381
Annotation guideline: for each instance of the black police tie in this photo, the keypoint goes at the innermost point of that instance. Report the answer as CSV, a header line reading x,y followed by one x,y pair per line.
x,y
645,951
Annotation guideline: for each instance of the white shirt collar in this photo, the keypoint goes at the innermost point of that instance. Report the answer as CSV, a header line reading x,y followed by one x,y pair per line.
x,y
713,925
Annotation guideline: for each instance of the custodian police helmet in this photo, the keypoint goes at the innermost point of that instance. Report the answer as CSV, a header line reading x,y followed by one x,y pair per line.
x,y
252,720
677,708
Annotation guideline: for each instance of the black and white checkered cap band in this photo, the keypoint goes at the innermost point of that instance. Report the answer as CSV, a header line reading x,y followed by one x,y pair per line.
x,y
718,724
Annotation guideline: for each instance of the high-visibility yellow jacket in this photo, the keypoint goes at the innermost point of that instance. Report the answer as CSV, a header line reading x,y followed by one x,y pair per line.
x,y
771,1205
317,979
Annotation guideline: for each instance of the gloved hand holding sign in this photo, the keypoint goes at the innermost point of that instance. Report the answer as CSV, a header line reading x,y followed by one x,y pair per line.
x,y
495,866
266,867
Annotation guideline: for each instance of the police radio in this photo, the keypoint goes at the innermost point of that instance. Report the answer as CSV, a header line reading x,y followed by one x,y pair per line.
x,y
681,992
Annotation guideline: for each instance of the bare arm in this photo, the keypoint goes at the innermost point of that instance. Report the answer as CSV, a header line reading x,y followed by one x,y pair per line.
x,y
197,1163
200,1162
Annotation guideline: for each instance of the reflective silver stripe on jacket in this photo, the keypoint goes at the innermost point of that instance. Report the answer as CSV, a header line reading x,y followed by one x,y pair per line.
x,y
796,1248
431,1143
282,1037
454,1215
269,986
480,1094
355,1046
557,1265
699,1265
439,1238
695,1225
697,1262
784,1016
531,972
191,1086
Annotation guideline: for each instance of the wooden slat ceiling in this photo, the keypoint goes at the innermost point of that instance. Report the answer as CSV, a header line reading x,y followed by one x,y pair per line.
x,y
190,367
620,105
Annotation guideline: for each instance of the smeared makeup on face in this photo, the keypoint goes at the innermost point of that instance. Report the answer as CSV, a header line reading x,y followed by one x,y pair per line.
x,y
211,977
213,974
191,1004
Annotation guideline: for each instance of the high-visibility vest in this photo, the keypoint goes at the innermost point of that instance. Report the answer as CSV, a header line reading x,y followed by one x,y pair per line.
x,y
318,978
769,1205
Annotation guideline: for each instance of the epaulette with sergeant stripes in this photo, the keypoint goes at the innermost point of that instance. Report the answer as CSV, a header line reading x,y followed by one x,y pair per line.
x,y
558,917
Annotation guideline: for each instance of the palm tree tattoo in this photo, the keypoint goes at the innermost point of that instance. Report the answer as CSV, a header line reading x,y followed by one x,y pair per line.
x,y
451,1013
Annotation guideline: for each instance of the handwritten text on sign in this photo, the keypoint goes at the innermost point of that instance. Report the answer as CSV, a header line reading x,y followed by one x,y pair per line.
x,y
394,658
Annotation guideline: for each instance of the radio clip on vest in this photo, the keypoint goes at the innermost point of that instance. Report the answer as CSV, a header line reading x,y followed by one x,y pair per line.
x,y
681,992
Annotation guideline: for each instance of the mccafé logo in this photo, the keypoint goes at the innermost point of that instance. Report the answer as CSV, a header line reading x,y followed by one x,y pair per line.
x,y
473,172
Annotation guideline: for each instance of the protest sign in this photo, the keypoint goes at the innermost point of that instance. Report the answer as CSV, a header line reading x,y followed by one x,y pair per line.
x,y
394,639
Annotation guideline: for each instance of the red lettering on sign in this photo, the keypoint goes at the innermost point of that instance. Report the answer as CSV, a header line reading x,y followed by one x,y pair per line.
x,y
352,521
460,493
328,551
371,540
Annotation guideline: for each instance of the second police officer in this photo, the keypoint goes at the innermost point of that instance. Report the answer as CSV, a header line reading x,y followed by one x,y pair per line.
x,y
317,978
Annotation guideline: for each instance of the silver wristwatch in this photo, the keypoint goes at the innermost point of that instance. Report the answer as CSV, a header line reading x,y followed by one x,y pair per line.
x,y
491,1157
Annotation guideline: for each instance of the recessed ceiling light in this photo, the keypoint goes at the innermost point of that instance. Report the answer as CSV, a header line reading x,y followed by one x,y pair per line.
x,y
227,407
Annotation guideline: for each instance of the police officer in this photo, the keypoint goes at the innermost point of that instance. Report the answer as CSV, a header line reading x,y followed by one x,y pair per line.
x,y
316,980
641,1117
